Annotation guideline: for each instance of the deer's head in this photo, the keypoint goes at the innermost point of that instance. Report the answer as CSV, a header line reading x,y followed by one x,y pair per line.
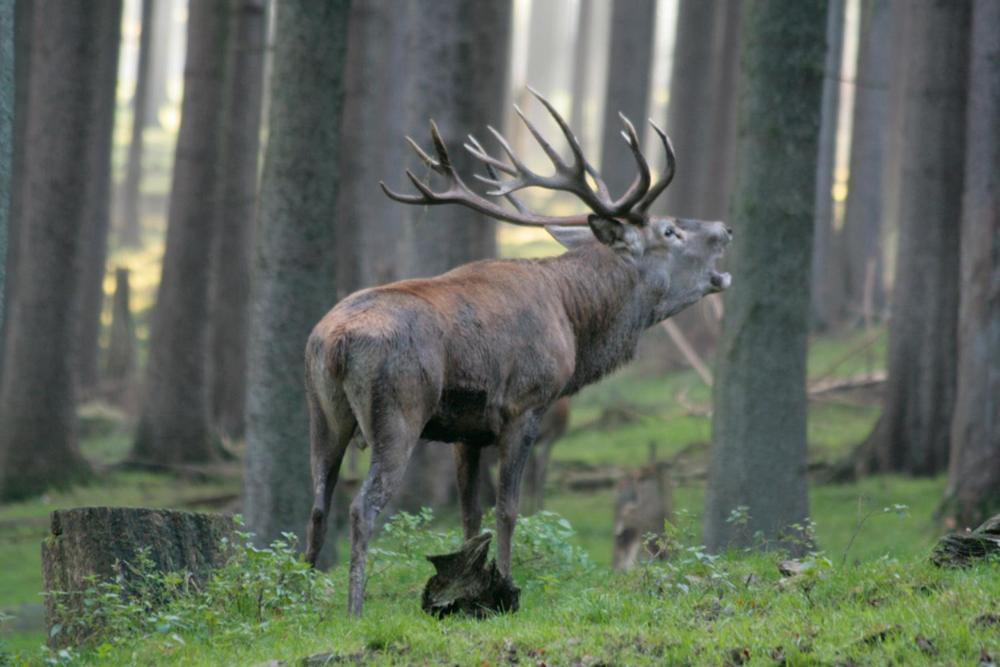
x,y
676,258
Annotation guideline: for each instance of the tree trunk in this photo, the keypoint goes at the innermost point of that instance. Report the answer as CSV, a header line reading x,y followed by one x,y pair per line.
x,y
23,10
913,434
630,63
701,120
860,272
458,76
120,369
295,269
38,443
6,133
582,47
826,283
759,420
370,225
131,231
174,424
163,25
235,208
97,203
974,473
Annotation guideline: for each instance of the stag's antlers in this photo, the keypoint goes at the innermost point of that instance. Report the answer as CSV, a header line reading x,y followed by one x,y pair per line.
x,y
632,206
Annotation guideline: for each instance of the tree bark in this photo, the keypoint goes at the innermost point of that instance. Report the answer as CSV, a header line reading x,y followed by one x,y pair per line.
x,y
38,443
759,422
826,283
860,272
232,252
131,231
913,434
295,266
6,133
974,473
370,225
97,203
458,53
23,10
174,424
630,64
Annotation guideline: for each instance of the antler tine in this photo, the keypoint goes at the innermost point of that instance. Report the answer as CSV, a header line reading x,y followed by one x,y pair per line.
x,y
640,186
494,177
668,172
427,159
554,156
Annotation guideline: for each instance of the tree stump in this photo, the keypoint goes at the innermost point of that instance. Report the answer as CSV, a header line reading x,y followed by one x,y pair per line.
x,y
465,584
963,548
101,542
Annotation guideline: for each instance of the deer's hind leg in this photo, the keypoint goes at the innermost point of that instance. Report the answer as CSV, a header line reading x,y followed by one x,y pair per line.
x,y
392,440
330,434
467,470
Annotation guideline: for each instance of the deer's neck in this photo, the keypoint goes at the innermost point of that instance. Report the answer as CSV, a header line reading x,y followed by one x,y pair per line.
x,y
606,308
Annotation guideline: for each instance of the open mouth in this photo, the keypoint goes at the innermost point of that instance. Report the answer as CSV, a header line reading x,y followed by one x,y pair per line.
x,y
718,280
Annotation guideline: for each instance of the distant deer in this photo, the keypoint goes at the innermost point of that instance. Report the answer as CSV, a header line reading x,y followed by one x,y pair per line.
x,y
475,356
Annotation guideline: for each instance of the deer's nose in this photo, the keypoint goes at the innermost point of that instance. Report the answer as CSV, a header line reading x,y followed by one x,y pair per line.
x,y
721,233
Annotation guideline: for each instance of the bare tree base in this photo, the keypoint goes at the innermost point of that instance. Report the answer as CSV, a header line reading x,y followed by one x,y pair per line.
x,y
964,548
466,584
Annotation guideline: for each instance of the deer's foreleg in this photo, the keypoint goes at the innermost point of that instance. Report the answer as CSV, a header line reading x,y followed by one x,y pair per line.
x,y
515,446
467,471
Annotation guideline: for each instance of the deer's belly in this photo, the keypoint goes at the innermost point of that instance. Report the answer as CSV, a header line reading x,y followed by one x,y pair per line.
x,y
463,416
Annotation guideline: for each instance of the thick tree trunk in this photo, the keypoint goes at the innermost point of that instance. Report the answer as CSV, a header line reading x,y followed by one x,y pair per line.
x,y
974,473
131,231
232,252
174,424
759,422
38,444
97,204
23,10
860,272
6,134
370,225
295,269
826,283
913,434
458,76
630,64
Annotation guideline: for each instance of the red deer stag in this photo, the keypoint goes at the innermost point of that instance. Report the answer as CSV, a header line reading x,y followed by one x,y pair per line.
x,y
476,355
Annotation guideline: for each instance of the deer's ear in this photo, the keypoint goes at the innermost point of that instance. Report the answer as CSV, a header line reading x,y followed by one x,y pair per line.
x,y
570,237
618,236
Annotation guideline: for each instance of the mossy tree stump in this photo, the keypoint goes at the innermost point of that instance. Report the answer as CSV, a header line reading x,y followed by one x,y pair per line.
x,y
963,548
102,542
465,584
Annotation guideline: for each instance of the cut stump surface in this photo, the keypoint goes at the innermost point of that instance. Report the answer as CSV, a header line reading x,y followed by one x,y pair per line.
x,y
466,584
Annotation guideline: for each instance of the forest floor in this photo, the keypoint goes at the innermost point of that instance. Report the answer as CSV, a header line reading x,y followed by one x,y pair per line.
x,y
869,596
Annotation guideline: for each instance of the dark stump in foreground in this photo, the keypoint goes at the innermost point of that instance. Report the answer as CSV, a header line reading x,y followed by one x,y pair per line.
x,y
105,543
465,584
963,548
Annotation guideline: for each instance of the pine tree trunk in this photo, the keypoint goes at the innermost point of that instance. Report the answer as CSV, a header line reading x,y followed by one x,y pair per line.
x,y
6,133
174,423
97,204
913,434
295,266
21,59
120,369
370,225
232,253
860,274
458,74
630,64
131,231
974,474
759,421
826,283
38,443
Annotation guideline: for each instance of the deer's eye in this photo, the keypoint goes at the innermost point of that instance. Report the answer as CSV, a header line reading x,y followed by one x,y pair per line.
x,y
668,232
